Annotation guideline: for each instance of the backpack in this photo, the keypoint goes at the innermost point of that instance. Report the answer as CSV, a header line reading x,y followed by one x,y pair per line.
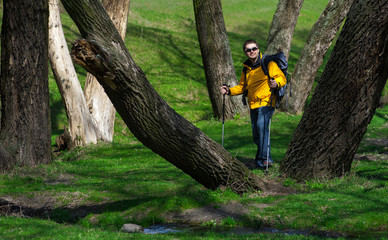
x,y
281,61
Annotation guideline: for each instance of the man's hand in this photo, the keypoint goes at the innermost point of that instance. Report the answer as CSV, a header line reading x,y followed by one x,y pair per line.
x,y
273,83
224,90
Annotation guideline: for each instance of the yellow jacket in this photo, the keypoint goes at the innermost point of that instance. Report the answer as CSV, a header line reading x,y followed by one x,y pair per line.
x,y
257,84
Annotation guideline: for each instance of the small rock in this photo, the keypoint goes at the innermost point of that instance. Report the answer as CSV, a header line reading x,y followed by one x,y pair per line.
x,y
131,228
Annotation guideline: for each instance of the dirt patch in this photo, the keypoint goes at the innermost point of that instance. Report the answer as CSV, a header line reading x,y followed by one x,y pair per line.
x,y
23,207
42,205
215,213
381,142
271,186
371,157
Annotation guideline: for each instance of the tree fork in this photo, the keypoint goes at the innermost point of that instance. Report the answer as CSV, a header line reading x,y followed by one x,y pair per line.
x,y
103,53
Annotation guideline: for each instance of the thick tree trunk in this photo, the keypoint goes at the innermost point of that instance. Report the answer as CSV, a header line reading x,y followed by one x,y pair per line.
x,y
146,114
311,57
283,26
346,97
101,108
81,129
25,126
6,160
216,57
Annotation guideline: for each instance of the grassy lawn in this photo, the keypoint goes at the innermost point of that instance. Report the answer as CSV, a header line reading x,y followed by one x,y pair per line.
x,y
90,192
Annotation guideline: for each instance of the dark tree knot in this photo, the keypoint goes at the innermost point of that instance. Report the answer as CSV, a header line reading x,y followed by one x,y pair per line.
x,y
88,55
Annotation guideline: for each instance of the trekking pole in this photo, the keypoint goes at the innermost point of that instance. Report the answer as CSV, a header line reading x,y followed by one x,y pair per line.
x,y
223,113
223,117
269,137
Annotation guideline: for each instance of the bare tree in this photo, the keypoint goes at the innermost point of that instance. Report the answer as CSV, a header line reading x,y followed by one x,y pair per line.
x,y
384,97
216,56
25,134
91,116
283,26
311,57
346,97
101,108
146,114
81,129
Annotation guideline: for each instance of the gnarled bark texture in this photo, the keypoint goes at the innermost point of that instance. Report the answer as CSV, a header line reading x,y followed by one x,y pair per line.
x,y
100,106
283,26
311,57
346,97
216,56
81,129
25,132
146,114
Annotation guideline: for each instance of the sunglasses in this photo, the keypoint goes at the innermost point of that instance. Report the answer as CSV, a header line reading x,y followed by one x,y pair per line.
x,y
250,49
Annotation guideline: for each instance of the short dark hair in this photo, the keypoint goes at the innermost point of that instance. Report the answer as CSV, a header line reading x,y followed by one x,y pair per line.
x,y
249,41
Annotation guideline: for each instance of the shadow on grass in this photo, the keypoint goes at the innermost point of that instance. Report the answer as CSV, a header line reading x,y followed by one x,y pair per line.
x,y
373,167
67,214
115,178
179,52
280,138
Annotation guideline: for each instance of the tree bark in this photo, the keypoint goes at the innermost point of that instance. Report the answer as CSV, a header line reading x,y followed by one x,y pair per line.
x,y
6,160
217,57
346,97
311,57
81,129
25,126
146,114
101,108
283,26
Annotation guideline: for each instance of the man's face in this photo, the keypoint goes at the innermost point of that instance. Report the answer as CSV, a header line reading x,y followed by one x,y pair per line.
x,y
252,51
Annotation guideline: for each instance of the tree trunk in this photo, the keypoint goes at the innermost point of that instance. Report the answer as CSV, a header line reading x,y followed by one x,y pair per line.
x,y
146,114
25,126
384,97
6,160
81,128
283,26
346,97
101,108
216,57
311,57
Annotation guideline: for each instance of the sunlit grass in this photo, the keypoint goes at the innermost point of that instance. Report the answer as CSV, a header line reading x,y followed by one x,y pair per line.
x,y
91,191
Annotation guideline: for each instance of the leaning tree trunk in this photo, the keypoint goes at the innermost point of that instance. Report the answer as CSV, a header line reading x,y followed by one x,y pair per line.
x,y
346,97
81,129
216,57
101,108
311,57
283,26
25,126
146,114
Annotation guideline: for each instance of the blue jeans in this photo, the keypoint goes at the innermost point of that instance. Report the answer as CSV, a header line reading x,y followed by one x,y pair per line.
x,y
260,120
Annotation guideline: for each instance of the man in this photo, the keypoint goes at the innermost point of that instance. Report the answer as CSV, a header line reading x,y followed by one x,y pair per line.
x,y
259,95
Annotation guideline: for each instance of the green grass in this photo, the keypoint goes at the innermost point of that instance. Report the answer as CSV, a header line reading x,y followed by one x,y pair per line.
x,y
92,191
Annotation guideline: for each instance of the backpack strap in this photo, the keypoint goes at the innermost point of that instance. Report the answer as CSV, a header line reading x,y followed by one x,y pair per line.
x,y
264,64
245,93
265,60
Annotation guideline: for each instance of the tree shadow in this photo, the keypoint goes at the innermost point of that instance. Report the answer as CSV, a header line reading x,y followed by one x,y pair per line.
x,y
168,46
57,109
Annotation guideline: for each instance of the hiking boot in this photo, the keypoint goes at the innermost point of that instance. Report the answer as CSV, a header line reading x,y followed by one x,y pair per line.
x,y
259,164
265,163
